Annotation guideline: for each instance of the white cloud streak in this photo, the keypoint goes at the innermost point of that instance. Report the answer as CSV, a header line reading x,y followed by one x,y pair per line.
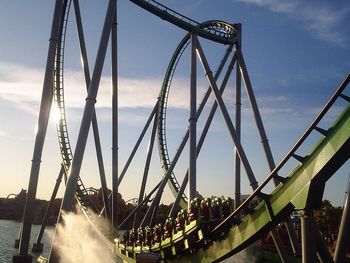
x,y
319,18
22,86
3,133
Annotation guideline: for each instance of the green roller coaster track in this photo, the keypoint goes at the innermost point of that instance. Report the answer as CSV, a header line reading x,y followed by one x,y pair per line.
x,y
301,189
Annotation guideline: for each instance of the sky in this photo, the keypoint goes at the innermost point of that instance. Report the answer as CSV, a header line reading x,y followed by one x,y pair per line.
x,y
297,52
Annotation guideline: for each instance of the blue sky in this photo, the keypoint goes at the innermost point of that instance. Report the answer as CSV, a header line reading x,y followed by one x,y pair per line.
x,y
296,52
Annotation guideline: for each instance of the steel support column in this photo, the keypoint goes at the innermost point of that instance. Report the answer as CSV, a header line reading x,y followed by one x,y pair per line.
x,y
149,156
44,113
115,124
233,133
344,230
205,128
148,161
153,207
138,207
137,144
229,124
89,109
95,129
193,124
38,246
156,200
265,142
322,250
237,179
308,238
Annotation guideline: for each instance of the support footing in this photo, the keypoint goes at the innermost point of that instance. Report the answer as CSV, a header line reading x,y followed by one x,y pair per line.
x,y
37,247
17,243
22,259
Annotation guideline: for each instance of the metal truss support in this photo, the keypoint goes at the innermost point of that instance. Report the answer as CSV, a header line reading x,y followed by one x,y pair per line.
x,y
279,245
265,142
95,129
148,161
139,205
193,124
239,148
156,200
175,206
149,157
149,216
322,250
137,144
89,109
308,238
114,121
226,116
344,230
38,246
44,113
237,172
204,132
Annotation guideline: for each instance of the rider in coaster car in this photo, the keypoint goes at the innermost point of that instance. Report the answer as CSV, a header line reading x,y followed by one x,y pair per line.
x,y
227,206
216,209
194,211
181,220
125,237
157,233
205,209
148,236
140,236
168,227
131,241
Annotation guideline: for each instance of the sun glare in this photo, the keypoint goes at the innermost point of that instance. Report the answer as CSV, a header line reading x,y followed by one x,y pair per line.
x,y
55,115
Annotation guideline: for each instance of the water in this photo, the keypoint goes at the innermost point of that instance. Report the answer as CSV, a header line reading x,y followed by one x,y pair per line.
x,y
79,243
9,232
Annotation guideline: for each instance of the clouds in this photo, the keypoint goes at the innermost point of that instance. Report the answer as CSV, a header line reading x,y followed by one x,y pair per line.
x,y
3,133
323,21
22,85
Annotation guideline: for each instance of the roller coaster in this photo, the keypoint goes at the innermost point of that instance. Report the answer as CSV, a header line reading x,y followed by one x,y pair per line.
x,y
197,229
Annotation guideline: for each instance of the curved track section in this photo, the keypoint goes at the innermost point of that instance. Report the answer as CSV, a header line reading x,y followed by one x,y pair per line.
x,y
226,35
163,100
301,189
62,131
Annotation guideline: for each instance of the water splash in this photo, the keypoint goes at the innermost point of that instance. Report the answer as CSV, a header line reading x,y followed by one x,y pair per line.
x,y
250,254
76,240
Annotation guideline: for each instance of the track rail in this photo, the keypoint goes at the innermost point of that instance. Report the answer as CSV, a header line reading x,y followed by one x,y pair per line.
x,y
163,102
82,194
227,35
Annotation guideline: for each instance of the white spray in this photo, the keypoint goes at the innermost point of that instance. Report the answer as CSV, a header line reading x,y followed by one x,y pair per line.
x,y
76,240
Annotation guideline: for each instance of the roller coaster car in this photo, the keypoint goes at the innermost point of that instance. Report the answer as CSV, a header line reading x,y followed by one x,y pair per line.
x,y
184,235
